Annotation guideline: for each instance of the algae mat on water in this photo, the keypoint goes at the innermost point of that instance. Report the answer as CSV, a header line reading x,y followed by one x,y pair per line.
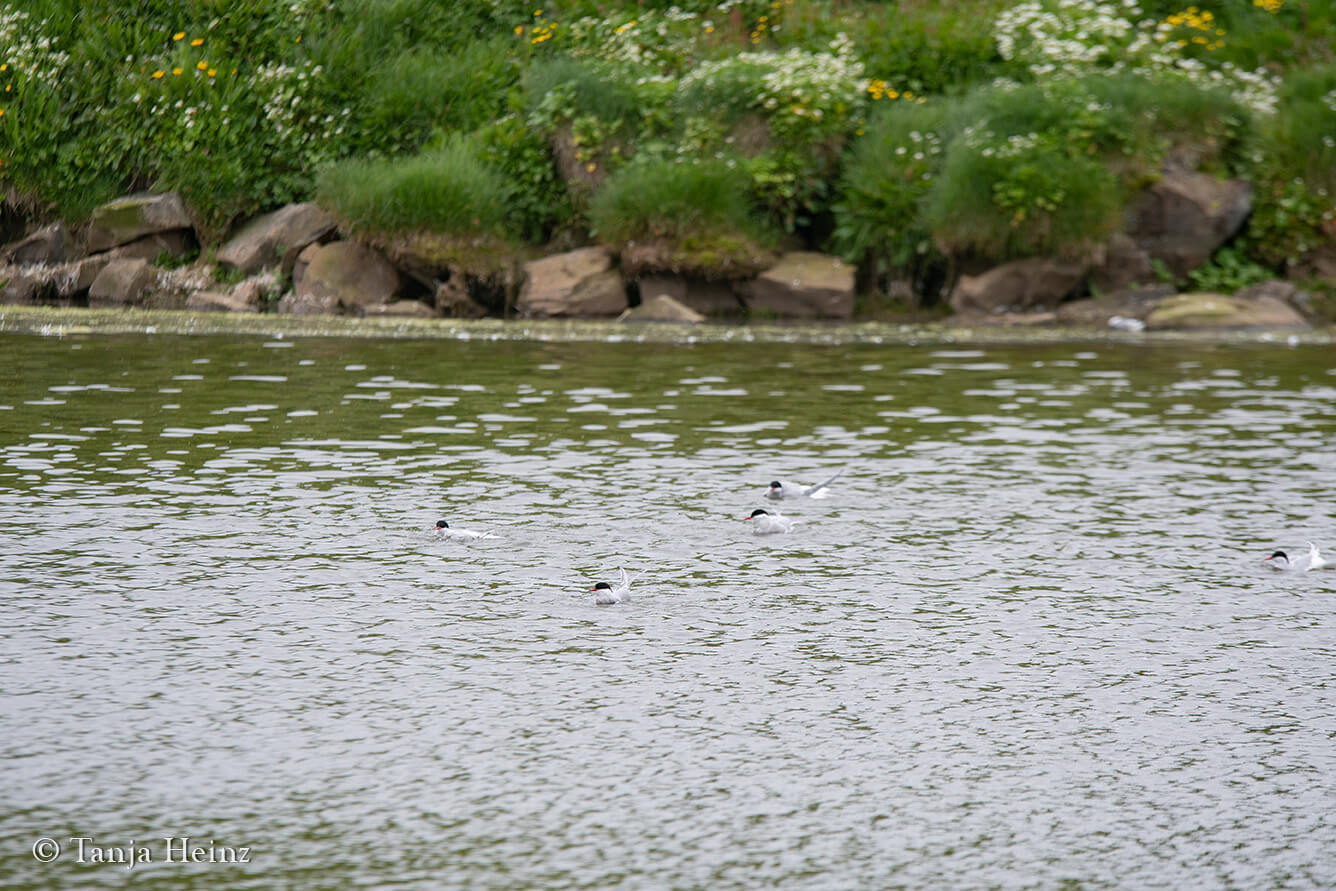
x,y
60,322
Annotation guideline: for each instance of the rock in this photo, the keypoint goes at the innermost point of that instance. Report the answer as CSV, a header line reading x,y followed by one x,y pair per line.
x,y
731,259
175,243
1130,303
453,301
580,283
803,285
707,298
214,301
975,319
49,245
78,277
1206,311
1277,289
276,239
18,288
400,309
353,275
122,283
257,289
1184,217
308,305
1319,264
135,216
1120,265
1033,283
661,308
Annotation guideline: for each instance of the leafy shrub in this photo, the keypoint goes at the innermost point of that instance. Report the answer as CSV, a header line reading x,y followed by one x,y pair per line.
x,y
887,174
1290,219
448,190
419,92
1228,271
536,200
928,48
1300,140
1017,196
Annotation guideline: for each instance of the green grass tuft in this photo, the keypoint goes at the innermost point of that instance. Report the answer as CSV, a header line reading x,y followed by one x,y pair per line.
x,y
674,201
449,190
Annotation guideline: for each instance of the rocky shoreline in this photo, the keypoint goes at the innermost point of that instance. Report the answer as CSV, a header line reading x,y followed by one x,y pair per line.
x,y
142,252
51,321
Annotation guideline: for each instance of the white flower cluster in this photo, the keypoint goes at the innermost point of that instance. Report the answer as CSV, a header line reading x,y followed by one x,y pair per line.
x,y
282,87
923,147
803,83
989,145
1329,100
1073,37
25,47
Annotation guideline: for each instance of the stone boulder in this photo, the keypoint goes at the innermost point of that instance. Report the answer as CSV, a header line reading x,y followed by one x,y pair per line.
x,y
1120,264
293,304
131,218
453,301
216,301
49,245
706,298
77,278
661,308
122,283
1186,216
18,288
803,285
1218,311
400,309
1130,303
257,288
577,284
1035,283
1319,264
276,239
175,243
352,275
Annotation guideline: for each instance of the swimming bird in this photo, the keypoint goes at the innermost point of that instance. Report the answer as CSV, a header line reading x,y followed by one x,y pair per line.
x,y
784,489
443,530
1310,561
606,595
766,523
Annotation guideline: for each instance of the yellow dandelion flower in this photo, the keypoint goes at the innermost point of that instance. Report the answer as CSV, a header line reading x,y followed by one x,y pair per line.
x,y
157,75
1181,43
198,41
519,29
892,94
2,112
537,12
176,72
212,71
591,167
4,66
908,95
178,35
203,65
709,29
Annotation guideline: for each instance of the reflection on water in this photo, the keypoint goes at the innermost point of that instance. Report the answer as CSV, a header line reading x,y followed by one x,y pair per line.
x,y
1028,640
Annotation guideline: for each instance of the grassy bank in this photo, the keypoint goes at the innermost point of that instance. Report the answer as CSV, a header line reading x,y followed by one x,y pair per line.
x,y
900,135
